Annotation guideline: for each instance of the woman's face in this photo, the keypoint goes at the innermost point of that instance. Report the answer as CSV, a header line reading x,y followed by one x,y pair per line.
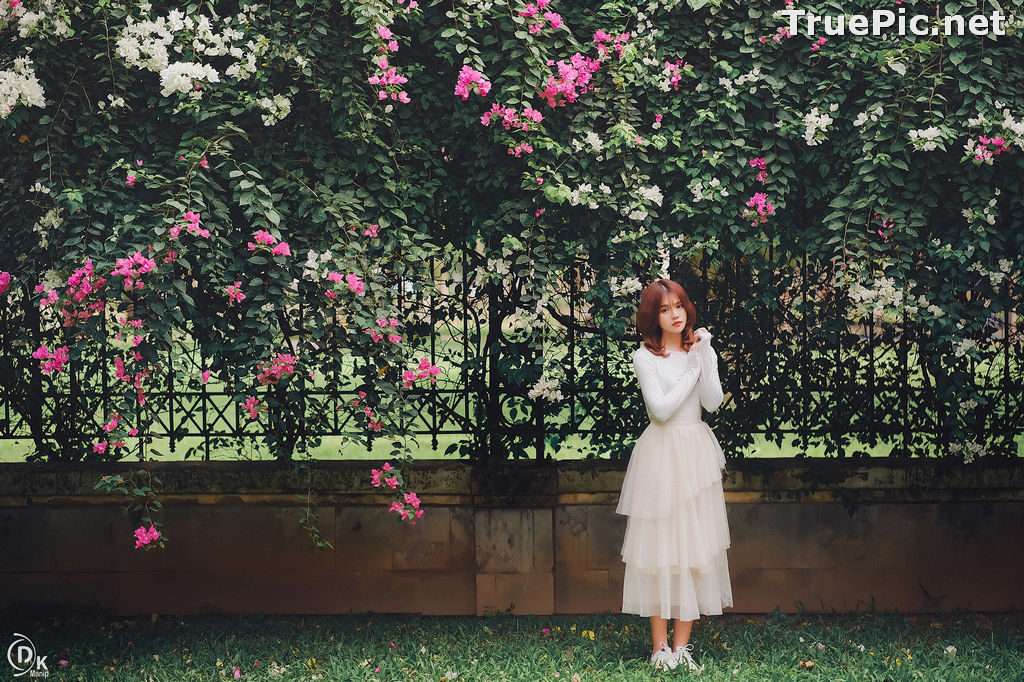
x,y
673,316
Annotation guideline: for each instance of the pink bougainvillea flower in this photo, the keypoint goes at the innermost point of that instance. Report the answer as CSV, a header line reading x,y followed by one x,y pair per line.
x,y
130,180
51,361
144,536
354,283
206,376
272,371
234,293
264,237
281,249
252,405
204,163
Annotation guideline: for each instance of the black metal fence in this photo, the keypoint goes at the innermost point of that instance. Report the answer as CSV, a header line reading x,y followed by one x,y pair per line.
x,y
792,365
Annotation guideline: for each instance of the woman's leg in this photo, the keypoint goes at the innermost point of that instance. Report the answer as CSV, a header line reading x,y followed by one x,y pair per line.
x,y
681,632
659,633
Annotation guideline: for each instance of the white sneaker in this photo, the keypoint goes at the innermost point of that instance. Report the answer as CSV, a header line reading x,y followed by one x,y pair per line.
x,y
663,659
684,655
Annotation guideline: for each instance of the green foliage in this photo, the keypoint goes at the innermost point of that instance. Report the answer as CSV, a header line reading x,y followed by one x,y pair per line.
x,y
634,177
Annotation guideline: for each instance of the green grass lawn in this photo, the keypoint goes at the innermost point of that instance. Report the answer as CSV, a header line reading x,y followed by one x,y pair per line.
x,y
863,647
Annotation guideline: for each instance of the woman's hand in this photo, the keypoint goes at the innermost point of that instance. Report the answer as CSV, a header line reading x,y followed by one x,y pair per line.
x,y
703,334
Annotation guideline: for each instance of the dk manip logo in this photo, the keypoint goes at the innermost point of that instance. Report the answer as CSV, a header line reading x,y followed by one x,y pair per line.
x,y
22,657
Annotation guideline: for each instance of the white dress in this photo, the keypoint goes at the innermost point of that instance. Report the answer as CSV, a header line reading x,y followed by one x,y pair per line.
x,y
677,531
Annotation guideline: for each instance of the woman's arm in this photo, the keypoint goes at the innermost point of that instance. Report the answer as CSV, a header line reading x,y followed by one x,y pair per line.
x,y
709,386
663,405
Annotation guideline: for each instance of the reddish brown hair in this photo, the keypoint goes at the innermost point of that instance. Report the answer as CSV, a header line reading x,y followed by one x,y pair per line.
x,y
650,310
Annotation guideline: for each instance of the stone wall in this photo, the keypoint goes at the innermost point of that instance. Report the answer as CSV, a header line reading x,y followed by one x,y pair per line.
x,y
806,534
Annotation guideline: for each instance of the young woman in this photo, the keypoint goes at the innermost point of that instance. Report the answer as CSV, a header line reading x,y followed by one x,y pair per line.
x,y
677,532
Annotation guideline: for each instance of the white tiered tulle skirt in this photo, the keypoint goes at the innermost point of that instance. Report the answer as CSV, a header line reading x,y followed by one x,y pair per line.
x,y
677,531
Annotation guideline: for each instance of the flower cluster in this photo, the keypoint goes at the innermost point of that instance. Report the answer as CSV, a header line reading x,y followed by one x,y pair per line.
x,y
253,406
146,44
762,209
986,148
782,33
81,284
880,298
265,239
762,166
520,149
873,115
132,269
234,293
354,282
546,388
100,447
618,43
625,287
384,323
510,119
700,192
143,536
405,504
970,449
384,473
191,226
374,423
84,281
20,86
424,370
184,77
926,139
5,281
51,361
127,337
887,224
272,371
387,79
408,508
551,17
672,75
573,80
276,109
471,78
652,194
815,124
818,43
135,379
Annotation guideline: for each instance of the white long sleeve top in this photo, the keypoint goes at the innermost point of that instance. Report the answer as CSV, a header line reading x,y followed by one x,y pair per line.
x,y
675,388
